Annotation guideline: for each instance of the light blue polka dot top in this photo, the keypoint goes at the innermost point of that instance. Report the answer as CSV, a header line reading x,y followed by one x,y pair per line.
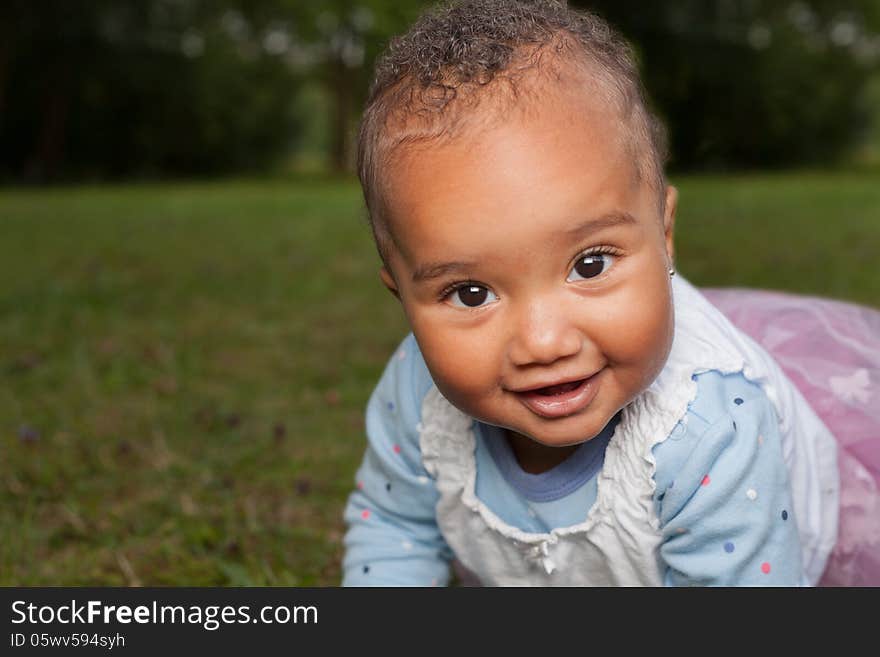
x,y
739,530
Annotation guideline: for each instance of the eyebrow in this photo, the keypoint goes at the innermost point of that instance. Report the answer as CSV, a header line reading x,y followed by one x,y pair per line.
x,y
434,270
609,220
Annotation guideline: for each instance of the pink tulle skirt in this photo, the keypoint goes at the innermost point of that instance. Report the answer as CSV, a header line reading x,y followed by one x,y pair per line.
x,y
831,352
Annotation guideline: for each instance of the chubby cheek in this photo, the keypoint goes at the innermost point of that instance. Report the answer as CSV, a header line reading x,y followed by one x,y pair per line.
x,y
462,364
640,334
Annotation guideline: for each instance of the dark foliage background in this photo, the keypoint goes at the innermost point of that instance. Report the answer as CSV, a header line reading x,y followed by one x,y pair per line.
x,y
128,88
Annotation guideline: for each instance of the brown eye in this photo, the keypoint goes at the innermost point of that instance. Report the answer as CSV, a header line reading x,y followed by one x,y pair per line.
x,y
590,266
471,296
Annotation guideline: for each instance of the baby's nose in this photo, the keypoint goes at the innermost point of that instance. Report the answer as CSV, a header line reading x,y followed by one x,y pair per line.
x,y
543,335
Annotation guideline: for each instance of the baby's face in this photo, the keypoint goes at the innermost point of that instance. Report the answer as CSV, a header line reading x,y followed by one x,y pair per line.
x,y
528,255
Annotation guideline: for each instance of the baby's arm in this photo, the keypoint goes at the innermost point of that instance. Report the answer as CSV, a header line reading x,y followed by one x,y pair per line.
x,y
723,494
392,537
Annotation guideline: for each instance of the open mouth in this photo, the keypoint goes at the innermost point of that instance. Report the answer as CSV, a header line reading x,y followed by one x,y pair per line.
x,y
559,389
561,399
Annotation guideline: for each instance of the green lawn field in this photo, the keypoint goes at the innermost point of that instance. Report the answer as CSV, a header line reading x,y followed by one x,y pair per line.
x,y
185,366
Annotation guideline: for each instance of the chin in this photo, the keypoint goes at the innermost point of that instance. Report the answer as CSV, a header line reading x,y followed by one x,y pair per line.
x,y
561,443
570,433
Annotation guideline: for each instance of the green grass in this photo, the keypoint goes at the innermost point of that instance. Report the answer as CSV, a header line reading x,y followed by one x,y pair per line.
x,y
185,366
811,233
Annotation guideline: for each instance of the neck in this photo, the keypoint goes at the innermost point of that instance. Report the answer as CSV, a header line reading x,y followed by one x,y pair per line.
x,y
535,458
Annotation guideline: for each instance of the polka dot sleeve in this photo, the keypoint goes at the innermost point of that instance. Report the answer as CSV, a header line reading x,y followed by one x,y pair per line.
x,y
392,537
723,494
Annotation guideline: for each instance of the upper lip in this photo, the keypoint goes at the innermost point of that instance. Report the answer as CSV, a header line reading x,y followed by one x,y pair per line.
x,y
555,382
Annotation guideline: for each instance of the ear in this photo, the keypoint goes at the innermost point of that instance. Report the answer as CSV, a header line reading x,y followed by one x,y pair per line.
x,y
669,221
388,281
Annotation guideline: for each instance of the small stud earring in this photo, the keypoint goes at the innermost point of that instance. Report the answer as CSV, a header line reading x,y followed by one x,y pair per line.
x,y
671,271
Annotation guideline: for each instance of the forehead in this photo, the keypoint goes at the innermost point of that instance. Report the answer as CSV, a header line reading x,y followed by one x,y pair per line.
x,y
561,160
440,112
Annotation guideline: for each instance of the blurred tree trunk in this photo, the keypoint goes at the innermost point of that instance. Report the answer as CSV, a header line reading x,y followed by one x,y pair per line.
x,y
5,57
7,47
44,162
341,83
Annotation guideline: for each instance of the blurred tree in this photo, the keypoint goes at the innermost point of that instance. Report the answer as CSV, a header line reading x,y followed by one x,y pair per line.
x,y
124,87
98,88
338,42
754,82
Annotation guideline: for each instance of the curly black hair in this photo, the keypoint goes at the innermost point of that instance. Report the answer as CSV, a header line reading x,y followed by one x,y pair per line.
x,y
428,78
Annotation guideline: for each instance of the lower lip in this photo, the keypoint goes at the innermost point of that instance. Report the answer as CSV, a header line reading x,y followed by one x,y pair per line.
x,y
568,403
